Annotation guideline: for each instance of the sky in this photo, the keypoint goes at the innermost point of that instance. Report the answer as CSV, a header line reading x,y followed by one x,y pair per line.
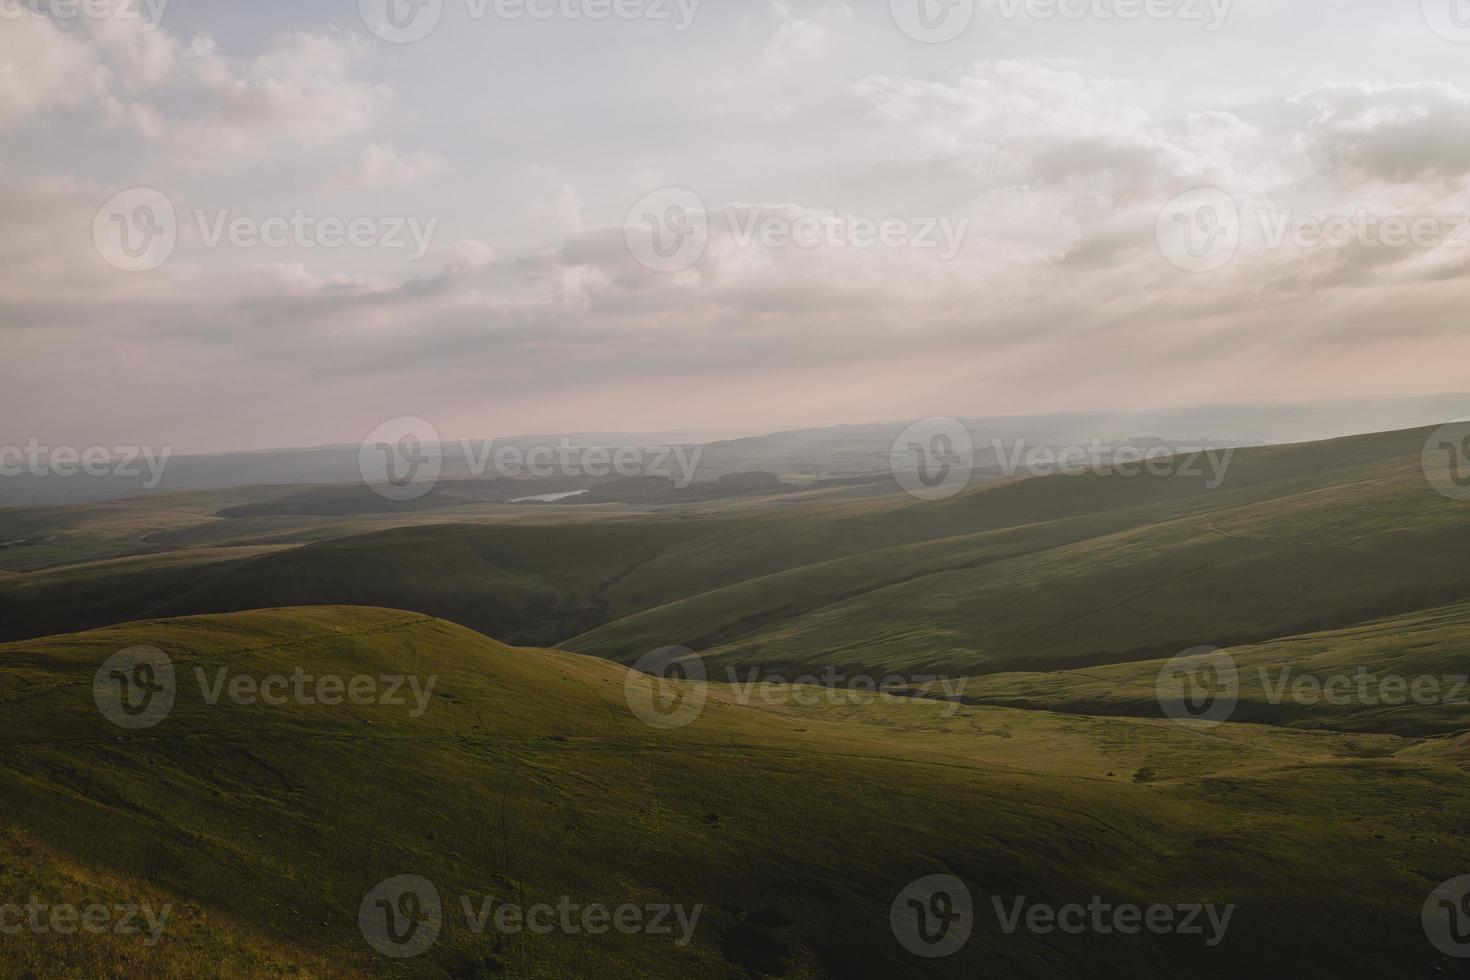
x,y
228,226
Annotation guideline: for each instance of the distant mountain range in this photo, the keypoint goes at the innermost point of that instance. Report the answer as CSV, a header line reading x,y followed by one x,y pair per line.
x,y
835,452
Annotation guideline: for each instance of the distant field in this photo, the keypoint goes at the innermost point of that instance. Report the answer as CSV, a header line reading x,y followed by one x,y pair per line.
x,y
1059,570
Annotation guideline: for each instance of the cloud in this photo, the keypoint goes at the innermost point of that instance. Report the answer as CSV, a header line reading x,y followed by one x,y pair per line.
x,y
583,318
1048,123
381,165
141,59
466,254
44,67
207,109
1398,133
298,93
50,267
296,280
798,37
1058,295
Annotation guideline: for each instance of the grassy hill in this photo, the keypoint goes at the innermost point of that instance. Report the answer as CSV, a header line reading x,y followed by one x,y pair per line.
x,y
1300,538
1061,570
1422,646
528,778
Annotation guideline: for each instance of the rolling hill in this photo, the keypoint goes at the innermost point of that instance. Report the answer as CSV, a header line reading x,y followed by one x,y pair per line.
x,y
1057,570
527,778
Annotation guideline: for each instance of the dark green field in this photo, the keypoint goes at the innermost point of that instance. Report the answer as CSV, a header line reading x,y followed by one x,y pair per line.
x,y
791,822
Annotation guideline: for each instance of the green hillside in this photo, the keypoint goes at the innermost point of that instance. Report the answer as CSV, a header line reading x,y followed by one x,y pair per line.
x,y
528,778
1062,569
1282,682
1364,535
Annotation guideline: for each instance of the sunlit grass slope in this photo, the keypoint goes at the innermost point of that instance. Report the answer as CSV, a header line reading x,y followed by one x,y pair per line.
x,y
528,778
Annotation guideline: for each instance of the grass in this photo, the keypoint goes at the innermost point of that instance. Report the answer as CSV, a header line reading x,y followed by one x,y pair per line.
x,y
793,826
1427,645
1055,571
192,943
793,823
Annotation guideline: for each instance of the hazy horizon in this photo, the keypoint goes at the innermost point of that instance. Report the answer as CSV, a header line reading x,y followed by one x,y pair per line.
x,y
1371,413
